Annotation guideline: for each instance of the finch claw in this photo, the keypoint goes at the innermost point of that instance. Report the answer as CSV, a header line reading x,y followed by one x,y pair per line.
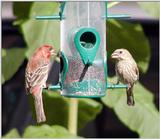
x,y
130,103
47,86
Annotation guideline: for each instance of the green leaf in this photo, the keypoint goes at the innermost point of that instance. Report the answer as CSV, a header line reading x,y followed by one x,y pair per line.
x,y
111,4
38,32
130,36
18,7
87,111
151,7
142,118
56,109
3,52
12,59
12,134
44,8
45,131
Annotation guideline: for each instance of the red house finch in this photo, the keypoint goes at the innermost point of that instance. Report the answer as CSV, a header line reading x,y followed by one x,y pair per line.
x,y
127,71
36,75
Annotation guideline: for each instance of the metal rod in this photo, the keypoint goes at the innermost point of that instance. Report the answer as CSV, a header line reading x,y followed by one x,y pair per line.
x,y
54,87
50,17
62,6
117,16
120,86
106,8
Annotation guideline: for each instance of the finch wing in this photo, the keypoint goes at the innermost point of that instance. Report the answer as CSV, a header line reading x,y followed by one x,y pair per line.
x,y
37,77
137,72
27,87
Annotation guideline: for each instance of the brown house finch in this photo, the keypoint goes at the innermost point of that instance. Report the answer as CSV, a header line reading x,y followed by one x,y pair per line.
x,y
36,75
127,71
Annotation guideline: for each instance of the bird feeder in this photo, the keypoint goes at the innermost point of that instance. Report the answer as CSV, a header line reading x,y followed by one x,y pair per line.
x,y
83,49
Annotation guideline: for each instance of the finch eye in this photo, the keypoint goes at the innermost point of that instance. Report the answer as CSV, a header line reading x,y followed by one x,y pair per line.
x,y
120,52
50,48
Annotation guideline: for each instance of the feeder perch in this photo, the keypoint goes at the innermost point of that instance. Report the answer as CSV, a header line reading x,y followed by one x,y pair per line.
x,y
83,49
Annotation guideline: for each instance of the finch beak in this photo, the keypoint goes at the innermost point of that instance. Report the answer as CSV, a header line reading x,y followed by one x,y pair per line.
x,y
53,52
114,56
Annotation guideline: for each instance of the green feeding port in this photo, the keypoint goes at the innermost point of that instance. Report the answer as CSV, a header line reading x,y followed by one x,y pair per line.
x,y
87,41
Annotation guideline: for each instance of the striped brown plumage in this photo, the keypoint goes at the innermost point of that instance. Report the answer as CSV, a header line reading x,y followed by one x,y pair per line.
x,y
126,71
36,75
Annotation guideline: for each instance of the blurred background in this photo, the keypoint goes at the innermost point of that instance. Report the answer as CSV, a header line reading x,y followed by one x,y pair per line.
x,y
16,111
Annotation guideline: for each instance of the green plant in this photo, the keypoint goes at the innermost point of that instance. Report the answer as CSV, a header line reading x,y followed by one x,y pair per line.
x,y
120,34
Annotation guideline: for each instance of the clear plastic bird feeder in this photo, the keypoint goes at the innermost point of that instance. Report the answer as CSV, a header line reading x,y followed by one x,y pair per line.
x,y
83,42
83,49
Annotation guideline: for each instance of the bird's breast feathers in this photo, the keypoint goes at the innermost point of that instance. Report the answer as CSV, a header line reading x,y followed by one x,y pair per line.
x,y
36,77
125,70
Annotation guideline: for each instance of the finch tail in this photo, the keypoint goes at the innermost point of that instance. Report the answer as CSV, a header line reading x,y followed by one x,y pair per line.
x,y
130,97
39,108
